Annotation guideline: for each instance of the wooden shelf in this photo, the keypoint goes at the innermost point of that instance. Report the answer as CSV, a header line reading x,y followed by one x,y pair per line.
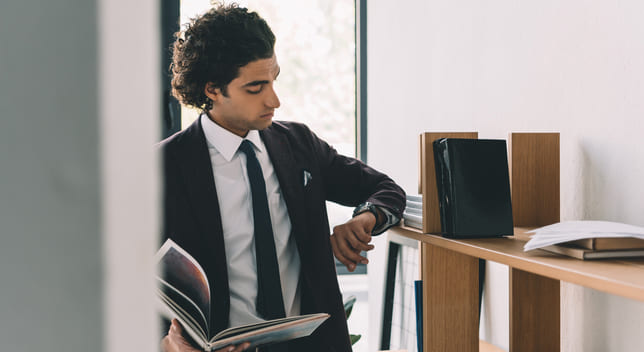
x,y
483,347
449,268
622,277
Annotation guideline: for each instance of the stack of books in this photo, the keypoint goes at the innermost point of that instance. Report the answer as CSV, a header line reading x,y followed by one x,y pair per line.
x,y
413,214
589,239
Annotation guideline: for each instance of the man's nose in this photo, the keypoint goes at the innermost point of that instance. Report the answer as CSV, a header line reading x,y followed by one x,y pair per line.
x,y
272,100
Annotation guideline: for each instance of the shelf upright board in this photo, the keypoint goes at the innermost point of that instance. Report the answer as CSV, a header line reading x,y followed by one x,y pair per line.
x,y
534,299
427,180
534,178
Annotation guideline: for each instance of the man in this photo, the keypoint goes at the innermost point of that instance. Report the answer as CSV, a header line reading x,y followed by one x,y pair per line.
x,y
235,178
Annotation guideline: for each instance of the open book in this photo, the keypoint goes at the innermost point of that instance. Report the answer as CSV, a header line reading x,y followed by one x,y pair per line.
x,y
184,294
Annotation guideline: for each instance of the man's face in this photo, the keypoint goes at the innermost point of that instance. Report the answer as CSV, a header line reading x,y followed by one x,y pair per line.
x,y
251,98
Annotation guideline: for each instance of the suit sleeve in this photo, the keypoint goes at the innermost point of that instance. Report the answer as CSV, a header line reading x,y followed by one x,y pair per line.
x,y
349,181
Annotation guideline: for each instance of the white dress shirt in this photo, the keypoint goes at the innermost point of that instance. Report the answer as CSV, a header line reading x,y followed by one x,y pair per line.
x,y
235,204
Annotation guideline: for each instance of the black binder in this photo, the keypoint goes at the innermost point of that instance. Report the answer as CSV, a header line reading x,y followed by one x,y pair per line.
x,y
473,187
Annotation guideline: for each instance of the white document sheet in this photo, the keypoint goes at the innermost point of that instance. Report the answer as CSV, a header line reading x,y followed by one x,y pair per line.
x,y
577,230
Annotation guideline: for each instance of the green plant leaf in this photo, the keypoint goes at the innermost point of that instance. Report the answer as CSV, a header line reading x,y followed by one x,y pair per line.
x,y
348,305
354,338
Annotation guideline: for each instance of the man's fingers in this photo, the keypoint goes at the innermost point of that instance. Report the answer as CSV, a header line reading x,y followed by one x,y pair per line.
x,y
242,347
349,251
175,328
357,244
360,231
338,254
353,234
361,235
238,348
353,255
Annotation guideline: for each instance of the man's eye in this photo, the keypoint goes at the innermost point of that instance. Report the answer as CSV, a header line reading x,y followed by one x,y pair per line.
x,y
256,91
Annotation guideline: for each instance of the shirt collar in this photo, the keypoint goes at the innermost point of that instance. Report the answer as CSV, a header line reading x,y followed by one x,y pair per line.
x,y
226,142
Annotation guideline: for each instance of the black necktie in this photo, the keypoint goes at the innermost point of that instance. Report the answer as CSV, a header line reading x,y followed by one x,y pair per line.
x,y
270,304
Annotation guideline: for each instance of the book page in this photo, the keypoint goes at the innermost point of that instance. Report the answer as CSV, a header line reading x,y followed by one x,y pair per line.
x,y
183,308
180,271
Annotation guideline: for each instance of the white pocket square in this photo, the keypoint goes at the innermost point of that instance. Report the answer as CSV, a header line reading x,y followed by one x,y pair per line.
x,y
307,177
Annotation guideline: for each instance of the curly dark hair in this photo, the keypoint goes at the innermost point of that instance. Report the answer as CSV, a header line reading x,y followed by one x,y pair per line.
x,y
212,49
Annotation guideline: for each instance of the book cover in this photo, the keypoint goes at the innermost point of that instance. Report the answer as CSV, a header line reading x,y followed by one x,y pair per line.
x,y
418,294
184,294
473,186
602,244
584,254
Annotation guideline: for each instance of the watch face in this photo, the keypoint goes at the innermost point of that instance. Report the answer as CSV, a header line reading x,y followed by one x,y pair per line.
x,y
367,206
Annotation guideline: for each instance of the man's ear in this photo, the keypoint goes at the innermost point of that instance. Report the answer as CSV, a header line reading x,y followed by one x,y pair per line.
x,y
211,91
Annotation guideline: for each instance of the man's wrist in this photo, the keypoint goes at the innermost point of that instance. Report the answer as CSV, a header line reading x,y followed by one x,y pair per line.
x,y
384,218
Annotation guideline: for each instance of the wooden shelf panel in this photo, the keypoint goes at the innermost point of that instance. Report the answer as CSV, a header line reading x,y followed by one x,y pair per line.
x,y
483,347
622,277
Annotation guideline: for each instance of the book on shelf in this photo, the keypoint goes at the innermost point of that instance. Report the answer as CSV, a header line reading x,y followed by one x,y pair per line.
x,y
413,211
184,294
473,186
413,214
414,201
412,223
587,254
588,234
413,218
418,295
603,244
414,205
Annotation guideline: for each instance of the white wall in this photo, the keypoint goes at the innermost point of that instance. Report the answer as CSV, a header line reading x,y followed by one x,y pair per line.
x,y
576,67
77,212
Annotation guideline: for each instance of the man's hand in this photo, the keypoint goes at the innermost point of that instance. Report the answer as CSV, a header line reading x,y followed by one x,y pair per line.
x,y
174,342
352,237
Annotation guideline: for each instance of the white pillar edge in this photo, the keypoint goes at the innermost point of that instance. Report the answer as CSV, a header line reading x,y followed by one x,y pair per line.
x,y
129,110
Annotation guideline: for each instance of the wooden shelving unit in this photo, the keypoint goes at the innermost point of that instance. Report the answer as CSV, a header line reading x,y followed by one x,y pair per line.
x,y
449,268
621,277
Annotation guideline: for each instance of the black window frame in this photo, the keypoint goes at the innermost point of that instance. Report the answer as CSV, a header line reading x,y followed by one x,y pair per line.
x,y
171,109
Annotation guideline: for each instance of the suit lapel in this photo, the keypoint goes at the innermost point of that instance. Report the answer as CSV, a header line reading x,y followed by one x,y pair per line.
x,y
196,170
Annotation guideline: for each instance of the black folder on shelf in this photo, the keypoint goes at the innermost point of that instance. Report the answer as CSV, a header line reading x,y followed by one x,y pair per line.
x,y
473,187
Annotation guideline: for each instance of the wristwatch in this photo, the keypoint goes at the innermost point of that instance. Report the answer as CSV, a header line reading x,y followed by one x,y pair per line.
x,y
386,217
364,207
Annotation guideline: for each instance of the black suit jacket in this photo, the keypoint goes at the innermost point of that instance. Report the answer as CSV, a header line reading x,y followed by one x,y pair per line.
x,y
192,218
